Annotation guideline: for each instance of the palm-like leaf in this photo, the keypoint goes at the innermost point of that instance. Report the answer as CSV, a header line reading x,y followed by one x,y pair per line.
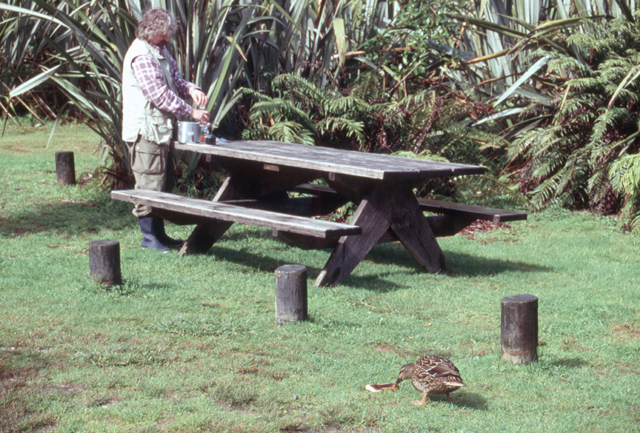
x,y
220,45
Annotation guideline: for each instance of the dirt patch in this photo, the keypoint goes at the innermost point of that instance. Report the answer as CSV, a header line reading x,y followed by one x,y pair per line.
x,y
20,396
16,149
625,332
383,348
482,227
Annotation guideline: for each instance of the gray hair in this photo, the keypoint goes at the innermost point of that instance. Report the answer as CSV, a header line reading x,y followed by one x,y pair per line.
x,y
155,22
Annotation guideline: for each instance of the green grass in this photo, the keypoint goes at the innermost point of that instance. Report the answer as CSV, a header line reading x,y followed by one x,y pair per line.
x,y
190,344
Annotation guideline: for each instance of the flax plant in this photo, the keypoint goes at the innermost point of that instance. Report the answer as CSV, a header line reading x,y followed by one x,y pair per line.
x,y
220,45
499,36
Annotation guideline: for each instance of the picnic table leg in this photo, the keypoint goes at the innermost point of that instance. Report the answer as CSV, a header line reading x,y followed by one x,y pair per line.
x,y
393,207
374,217
205,235
413,230
239,186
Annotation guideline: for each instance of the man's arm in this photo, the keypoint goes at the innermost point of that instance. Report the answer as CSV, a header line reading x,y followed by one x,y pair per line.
x,y
154,88
184,87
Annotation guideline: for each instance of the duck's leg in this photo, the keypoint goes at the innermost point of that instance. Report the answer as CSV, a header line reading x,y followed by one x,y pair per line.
x,y
447,397
423,401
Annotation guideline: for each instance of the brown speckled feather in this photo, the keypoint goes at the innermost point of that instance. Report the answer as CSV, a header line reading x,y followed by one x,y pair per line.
x,y
435,366
435,374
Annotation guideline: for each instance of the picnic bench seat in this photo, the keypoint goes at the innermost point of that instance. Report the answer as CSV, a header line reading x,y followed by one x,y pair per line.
x,y
477,212
436,206
453,216
187,210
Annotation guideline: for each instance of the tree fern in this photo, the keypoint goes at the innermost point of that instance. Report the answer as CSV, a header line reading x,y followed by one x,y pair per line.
x,y
572,158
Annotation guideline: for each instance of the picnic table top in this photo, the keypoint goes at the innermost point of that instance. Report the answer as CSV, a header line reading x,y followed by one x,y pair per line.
x,y
330,160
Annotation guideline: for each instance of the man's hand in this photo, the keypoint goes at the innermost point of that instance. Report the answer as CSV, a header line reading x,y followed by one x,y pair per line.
x,y
200,115
199,97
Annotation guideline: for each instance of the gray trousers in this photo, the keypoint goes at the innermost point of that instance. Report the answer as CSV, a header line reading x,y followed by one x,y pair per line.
x,y
152,167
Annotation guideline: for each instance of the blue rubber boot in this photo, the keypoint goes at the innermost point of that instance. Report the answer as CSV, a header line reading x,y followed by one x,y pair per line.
x,y
158,229
149,237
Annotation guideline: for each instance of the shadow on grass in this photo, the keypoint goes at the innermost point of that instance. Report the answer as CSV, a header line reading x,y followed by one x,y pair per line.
x,y
259,262
461,264
69,217
469,400
99,211
468,265
132,286
262,263
566,362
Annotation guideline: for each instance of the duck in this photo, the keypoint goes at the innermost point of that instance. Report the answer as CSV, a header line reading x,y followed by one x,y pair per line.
x,y
431,374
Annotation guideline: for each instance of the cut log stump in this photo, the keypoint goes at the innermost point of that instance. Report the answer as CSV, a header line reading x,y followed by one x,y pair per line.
x,y
104,262
65,168
291,293
519,329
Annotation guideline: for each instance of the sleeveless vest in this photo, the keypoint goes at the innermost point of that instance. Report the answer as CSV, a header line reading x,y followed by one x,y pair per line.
x,y
140,116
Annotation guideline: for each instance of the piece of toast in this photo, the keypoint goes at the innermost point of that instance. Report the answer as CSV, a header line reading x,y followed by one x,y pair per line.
x,y
381,387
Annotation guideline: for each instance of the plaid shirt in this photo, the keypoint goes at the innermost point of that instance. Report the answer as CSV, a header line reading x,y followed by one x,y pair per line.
x,y
155,90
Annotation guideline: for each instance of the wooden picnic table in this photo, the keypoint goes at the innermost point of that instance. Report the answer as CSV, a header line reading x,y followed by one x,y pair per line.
x,y
262,173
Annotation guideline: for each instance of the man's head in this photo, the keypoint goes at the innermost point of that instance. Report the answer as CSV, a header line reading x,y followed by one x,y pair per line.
x,y
156,27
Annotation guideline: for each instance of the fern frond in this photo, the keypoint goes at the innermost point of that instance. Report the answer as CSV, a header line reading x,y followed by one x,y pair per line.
x,y
274,107
255,95
291,132
344,105
351,128
624,175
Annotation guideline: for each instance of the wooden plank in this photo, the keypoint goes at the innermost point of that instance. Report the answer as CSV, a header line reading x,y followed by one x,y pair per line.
x,y
207,233
374,216
230,213
329,160
478,212
437,206
441,225
414,231
236,187
203,237
299,206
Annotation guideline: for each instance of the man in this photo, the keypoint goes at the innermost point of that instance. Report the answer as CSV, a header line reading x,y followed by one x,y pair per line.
x,y
152,99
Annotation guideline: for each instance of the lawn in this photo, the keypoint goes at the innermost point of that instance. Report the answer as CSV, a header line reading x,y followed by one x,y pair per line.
x,y
190,344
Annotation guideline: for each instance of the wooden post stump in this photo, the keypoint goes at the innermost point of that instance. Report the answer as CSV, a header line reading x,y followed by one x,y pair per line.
x,y
519,329
65,168
291,293
104,262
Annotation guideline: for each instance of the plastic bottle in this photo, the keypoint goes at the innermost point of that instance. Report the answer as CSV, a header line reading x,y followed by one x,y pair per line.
x,y
209,138
206,132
